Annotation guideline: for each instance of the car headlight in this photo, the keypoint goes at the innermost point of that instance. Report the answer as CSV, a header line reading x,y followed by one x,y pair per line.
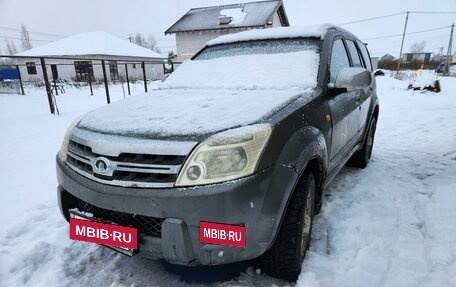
x,y
63,153
225,156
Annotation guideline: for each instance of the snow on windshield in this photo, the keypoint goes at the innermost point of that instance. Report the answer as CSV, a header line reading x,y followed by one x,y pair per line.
x,y
274,65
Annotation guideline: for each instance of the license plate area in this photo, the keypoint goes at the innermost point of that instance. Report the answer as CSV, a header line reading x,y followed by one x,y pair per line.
x,y
84,227
222,234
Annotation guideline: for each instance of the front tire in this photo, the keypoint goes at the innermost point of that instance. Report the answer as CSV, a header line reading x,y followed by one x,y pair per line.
x,y
362,157
284,259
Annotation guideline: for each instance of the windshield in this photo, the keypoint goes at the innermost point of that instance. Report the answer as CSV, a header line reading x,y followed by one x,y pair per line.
x,y
260,47
278,64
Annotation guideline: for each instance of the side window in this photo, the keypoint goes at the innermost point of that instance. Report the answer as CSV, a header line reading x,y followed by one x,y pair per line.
x,y
366,55
354,54
339,59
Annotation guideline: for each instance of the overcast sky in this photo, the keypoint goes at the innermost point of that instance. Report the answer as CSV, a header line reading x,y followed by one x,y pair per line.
x,y
122,18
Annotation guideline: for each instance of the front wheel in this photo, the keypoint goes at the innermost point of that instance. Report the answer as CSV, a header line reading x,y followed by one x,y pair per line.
x,y
284,259
362,157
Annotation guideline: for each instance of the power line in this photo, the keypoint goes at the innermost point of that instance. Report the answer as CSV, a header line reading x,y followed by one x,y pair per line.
x,y
396,14
410,33
433,12
373,18
8,37
31,32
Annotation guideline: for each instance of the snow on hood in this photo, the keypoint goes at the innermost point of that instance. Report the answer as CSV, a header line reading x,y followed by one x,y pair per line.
x,y
165,113
264,71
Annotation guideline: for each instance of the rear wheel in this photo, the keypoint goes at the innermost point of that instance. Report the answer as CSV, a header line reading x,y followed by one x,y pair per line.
x,y
284,259
362,157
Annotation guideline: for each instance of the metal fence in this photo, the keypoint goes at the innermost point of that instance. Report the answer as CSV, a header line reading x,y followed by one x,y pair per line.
x,y
10,87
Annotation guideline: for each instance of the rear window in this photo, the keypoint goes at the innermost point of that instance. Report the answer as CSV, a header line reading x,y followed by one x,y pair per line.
x,y
366,55
354,54
260,47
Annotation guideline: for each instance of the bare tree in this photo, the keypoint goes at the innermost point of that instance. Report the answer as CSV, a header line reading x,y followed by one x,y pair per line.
x,y
25,38
149,43
153,43
418,47
11,47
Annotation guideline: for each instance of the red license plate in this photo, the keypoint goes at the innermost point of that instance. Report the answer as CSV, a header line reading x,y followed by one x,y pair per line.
x,y
222,234
103,233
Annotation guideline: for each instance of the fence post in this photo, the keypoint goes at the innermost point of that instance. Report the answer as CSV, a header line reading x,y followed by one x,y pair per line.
x,y
105,81
48,87
20,79
128,81
144,75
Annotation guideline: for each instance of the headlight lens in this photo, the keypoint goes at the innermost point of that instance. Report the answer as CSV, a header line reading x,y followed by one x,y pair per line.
x,y
63,153
225,156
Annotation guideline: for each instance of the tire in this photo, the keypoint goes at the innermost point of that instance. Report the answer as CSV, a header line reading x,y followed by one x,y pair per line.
x,y
284,259
362,157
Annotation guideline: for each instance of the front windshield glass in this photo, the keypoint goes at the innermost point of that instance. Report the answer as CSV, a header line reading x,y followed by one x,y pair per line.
x,y
264,64
260,47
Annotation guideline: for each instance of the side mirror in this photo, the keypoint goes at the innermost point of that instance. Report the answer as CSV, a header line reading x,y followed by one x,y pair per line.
x,y
353,79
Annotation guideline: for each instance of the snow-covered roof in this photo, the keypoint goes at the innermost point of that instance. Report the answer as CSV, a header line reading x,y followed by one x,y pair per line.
x,y
274,33
92,44
256,14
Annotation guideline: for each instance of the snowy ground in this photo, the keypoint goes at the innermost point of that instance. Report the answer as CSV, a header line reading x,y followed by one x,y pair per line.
x,y
392,224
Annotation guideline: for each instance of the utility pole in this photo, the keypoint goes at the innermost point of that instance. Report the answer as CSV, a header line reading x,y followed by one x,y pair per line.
x,y
402,44
129,37
449,53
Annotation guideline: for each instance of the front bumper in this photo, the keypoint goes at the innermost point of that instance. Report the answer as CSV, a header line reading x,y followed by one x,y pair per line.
x,y
248,201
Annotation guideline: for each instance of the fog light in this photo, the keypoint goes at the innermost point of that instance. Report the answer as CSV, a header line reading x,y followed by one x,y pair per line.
x,y
193,172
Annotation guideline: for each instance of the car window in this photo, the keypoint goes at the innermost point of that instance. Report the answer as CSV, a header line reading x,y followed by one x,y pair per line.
x,y
278,46
339,59
366,56
354,54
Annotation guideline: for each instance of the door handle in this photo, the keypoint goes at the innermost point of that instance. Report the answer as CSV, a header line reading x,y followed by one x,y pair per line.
x,y
358,99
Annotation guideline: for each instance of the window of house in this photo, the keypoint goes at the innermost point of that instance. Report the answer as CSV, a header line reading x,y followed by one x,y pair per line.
x,y
354,54
31,68
134,66
84,70
339,59
113,70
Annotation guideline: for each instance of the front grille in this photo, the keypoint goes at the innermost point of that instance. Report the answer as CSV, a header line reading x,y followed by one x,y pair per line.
x,y
126,169
145,224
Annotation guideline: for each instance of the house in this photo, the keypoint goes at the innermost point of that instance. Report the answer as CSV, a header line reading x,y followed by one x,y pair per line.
x,y
420,57
199,25
387,57
72,58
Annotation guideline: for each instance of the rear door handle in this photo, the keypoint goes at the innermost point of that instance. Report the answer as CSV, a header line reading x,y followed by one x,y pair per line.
x,y
358,99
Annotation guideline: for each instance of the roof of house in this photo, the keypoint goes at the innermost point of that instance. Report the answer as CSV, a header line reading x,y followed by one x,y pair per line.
x,y
256,14
93,44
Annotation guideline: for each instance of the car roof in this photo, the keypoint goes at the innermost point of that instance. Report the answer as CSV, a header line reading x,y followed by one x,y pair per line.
x,y
318,31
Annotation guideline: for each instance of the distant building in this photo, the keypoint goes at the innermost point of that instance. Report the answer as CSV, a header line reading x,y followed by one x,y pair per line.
x,y
199,25
71,59
387,57
441,58
421,57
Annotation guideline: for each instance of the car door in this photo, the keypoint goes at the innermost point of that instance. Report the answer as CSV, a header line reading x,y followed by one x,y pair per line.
x,y
369,90
362,96
343,105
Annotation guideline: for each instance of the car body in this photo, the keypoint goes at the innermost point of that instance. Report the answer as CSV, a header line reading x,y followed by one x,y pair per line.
x,y
441,69
308,124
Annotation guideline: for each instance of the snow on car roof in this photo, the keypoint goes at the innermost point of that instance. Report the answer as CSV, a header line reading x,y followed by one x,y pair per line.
x,y
274,33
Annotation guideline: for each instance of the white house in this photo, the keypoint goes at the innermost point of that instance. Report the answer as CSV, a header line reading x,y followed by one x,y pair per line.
x,y
199,25
73,58
421,57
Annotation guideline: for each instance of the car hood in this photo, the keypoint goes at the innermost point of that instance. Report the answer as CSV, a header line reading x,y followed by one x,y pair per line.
x,y
188,112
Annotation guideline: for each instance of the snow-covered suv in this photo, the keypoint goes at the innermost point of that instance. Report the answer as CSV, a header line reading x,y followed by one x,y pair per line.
x,y
227,161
